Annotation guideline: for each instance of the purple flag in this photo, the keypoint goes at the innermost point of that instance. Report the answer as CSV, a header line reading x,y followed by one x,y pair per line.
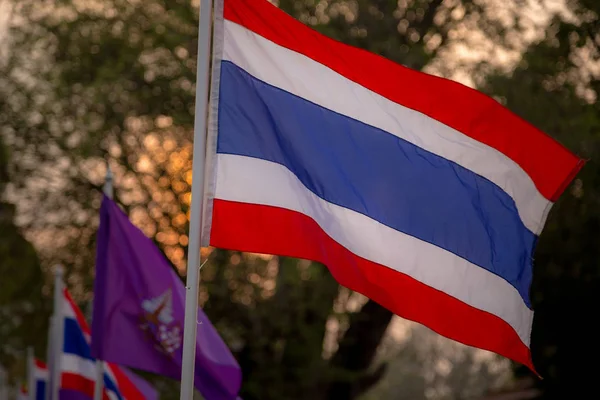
x,y
139,311
147,390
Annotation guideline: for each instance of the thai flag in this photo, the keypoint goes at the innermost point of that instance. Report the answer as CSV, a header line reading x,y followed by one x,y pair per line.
x,y
37,380
78,368
423,194
22,394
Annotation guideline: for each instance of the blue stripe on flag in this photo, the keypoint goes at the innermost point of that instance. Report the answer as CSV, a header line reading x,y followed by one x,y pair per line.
x,y
112,386
75,342
372,172
40,390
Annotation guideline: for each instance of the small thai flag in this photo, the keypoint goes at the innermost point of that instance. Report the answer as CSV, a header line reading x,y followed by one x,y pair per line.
x,y
37,380
78,367
40,378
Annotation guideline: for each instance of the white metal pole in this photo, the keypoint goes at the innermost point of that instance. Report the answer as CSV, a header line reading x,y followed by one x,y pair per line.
x,y
199,156
49,355
108,190
108,183
31,386
59,332
99,381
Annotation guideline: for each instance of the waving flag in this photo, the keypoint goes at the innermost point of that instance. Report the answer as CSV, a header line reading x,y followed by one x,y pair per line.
x,y
78,368
423,194
139,311
37,380
22,394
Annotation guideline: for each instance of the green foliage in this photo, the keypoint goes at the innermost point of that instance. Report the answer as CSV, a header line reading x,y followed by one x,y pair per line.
x,y
23,309
277,334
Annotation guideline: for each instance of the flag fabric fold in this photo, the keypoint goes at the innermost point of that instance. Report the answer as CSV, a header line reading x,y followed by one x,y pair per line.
x,y
138,311
78,367
421,193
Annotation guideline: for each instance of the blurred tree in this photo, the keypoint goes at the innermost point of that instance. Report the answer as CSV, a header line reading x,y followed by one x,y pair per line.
x,y
89,80
23,309
555,86
423,365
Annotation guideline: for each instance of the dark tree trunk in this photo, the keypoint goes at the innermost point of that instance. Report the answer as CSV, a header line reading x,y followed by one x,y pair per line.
x,y
356,352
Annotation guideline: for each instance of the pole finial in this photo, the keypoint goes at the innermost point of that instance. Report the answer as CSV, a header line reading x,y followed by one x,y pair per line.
x,y
108,182
59,270
109,174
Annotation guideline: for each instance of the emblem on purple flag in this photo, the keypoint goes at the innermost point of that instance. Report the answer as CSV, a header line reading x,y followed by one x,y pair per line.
x,y
158,322
139,311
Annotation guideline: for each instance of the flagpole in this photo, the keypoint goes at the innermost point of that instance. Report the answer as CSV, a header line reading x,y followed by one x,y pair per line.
x,y
58,332
199,157
49,356
109,192
31,386
99,381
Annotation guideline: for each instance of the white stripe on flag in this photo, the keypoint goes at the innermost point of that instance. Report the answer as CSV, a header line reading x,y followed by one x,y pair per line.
x,y
40,374
312,81
74,364
255,181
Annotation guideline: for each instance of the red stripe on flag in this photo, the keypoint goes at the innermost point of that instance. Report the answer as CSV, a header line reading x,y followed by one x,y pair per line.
x,y
126,387
548,163
271,230
80,384
78,314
